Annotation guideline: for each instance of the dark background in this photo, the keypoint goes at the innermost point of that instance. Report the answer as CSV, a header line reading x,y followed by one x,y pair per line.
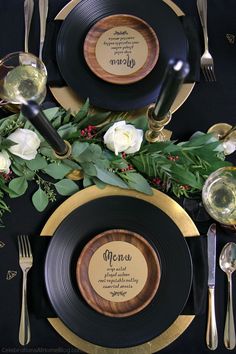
x,y
208,104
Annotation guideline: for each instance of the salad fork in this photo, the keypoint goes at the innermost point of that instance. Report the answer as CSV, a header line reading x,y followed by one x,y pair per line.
x,y
26,262
207,63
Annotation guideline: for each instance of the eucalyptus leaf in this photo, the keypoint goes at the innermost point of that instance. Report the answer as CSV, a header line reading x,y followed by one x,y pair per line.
x,y
17,171
90,153
89,168
78,148
72,164
82,112
200,139
18,186
100,184
110,178
47,151
138,182
87,181
97,118
140,123
102,163
38,163
56,123
50,113
6,144
66,187
57,170
67,130
67,117
119,163
40,200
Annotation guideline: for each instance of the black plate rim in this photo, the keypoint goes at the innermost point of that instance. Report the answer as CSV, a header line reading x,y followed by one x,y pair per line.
x,y
129,97
48,284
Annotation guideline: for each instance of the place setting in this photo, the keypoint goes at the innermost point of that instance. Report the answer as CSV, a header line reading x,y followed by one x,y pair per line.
x,y
150,35
126,259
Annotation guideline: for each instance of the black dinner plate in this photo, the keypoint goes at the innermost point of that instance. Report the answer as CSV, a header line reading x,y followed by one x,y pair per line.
x,y
76,73
73,233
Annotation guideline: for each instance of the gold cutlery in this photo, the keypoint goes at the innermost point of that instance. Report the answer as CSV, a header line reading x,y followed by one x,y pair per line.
x,y
211,333
26,262
28,13
207,64
43,13
228,265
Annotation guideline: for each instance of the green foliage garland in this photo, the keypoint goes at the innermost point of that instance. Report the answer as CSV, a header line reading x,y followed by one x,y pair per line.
x,y
177,168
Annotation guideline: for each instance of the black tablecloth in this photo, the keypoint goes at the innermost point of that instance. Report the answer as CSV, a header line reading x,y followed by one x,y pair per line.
x,y
208,104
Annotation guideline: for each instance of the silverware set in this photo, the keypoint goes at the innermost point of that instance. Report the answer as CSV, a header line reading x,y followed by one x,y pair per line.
x,y
227,262
207,62
28,13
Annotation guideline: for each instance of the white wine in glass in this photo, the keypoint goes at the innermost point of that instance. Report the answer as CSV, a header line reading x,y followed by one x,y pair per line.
x,y
23,77
219,196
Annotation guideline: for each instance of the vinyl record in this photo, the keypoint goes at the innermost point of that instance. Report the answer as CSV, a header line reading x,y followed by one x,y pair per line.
x,y
67,243
76,73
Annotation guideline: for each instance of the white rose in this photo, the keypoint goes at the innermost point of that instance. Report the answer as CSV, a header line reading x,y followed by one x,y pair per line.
x,y
5,162
122,137
27,143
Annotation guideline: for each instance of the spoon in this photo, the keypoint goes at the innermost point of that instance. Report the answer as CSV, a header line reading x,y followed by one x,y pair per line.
x,y
228,265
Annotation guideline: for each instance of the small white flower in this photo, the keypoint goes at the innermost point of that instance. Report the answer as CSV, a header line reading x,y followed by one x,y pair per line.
x,y
122,137
27,143
5,162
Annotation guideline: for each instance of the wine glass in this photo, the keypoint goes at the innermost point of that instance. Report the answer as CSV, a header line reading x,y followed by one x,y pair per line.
x,y
219,196
227,134
23,77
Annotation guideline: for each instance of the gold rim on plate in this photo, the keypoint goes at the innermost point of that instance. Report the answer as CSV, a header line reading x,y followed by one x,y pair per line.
x,y
182,221
68,99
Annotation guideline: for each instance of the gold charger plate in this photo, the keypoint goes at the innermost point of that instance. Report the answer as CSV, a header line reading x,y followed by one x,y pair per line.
x,y
68,99
182,221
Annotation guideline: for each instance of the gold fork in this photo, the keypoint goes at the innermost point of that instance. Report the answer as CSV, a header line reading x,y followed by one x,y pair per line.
x,y
26,262
207,63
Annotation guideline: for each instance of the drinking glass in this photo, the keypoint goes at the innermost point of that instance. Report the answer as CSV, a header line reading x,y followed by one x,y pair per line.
x,y
225,133
219,196
23,78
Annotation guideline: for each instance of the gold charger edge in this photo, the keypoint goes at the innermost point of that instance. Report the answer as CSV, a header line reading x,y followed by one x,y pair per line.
x,y
182,221
68,99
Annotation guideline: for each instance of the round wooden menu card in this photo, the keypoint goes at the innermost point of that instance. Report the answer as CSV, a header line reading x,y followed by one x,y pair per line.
x,y
121,49
118,273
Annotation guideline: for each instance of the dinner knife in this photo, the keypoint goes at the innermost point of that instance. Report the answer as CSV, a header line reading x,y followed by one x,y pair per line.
x,y
211,332
43,13
28,13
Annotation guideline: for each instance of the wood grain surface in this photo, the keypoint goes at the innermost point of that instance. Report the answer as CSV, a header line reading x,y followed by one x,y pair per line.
x,y
115,21
142,299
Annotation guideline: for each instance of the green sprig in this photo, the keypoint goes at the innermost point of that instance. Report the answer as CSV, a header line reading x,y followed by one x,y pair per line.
x,y
176,168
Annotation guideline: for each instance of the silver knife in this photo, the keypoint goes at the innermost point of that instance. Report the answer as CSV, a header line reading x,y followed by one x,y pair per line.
x,y
28,13
211,333
43,13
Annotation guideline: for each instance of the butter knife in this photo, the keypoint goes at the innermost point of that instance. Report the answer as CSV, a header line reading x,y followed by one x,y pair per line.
x,y
43,13
211,332
28,13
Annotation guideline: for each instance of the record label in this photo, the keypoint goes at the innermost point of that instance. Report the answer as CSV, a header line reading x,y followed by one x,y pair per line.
x,y
121,51
118,271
